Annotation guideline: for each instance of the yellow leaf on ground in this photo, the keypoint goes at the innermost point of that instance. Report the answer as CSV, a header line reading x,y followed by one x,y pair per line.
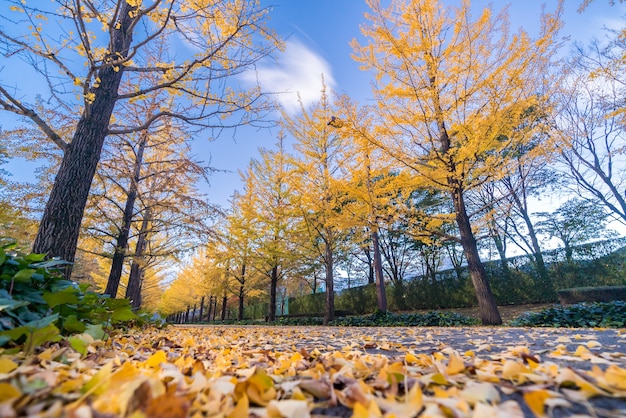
x,y
242,409
410,358
484,392
536,401
156,359
8,391
7,365
99,381
259,388
593,344
289,408
583,352
369,411
455,364
616,377
168,406
514,371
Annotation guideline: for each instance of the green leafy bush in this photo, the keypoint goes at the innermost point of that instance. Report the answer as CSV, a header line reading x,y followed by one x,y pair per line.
x,y
38,305
582,315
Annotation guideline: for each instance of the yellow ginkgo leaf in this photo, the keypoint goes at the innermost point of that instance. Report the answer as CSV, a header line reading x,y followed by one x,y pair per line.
x,y
242,409
514,371
99,381
583,352
410,358
593,344
8,391
536,401
259,388
289,408
480,392
7,365
370,411
156,359
616,377
455,364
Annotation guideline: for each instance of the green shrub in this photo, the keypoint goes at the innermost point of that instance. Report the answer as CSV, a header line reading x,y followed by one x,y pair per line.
x,y
582,315
38,305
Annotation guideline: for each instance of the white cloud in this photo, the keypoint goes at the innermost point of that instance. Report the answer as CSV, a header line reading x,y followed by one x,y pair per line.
x,y
296,71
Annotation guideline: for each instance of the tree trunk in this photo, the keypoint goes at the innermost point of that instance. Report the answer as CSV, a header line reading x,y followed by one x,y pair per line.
x,y
329,308
201,308
271,315
208,318
224,302
59,228
370,266
381,295
489,313
241,292
135,279
569,253
121,246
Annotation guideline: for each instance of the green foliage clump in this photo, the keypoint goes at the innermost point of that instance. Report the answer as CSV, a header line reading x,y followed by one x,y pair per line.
x,y
389,319
582,315
37,305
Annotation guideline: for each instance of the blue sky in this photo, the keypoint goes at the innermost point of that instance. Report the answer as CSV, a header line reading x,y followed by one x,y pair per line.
x,y
318,33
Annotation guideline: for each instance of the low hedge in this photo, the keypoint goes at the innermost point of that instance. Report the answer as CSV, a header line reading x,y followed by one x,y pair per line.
x,y
591,294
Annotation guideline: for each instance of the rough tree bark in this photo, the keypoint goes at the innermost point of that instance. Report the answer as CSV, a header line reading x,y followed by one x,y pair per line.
x,y
271,315
121,245
329,310
381,294
135,278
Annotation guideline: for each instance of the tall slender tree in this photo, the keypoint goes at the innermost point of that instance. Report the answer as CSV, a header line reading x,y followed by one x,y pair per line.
x,y
267,184
371,185
317,168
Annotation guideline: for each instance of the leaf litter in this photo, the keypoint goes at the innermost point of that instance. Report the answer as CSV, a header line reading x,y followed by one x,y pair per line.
x,y
264,371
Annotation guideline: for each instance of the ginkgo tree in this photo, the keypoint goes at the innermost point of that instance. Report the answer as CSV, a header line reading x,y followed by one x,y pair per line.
x,y
451,89
267,205
372,187
236,251
317,169
83,52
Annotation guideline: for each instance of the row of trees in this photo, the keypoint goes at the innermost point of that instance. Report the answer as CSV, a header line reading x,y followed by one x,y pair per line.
x,y
111,95
468,127
470,123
